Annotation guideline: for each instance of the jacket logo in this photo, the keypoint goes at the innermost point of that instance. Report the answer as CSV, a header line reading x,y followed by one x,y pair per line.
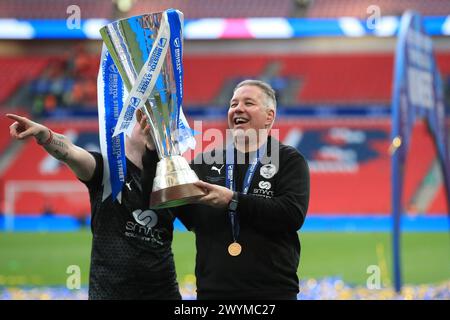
x,y
265,185
128,184
218,169
147,218
268,170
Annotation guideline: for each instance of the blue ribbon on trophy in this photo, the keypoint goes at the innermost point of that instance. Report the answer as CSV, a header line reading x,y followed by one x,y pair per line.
x,y
184,133
139,47
110,102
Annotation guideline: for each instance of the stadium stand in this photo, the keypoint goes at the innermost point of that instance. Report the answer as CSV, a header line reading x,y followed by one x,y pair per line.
x,y
341,78
331,79
218,8
33,166
348,158
324,78
358,8
438,205
205,76
4,139
18,70
54,9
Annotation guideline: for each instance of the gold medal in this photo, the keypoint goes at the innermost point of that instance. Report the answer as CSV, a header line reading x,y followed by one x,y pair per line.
x,y
234,249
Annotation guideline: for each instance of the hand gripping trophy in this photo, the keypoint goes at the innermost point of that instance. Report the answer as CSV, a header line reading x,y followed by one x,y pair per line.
x,y
147,52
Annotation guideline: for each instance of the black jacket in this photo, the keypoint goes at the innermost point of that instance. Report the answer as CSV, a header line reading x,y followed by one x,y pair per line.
x,y
270,215
131,254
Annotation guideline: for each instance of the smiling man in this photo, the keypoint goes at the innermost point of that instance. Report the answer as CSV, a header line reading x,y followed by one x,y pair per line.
x,y
256,200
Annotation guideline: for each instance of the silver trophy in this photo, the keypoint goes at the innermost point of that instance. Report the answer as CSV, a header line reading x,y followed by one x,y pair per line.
x,y
129,42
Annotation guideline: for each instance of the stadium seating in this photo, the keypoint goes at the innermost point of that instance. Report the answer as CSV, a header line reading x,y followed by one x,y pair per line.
x,y
218,8
205,76
323,78
34,166
439,202
16,71
4,138
341,78
351,167
348,159
54,9
358,8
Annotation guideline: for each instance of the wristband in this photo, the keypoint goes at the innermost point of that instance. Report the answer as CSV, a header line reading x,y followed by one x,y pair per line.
x,y
46,142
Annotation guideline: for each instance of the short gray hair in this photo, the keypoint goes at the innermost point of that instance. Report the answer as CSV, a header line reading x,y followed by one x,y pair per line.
x,y
271,99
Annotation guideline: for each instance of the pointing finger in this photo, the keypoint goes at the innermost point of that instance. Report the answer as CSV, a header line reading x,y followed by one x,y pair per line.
x,y
17,118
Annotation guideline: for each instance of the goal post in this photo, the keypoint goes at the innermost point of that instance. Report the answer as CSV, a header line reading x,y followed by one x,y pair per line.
x,y
47,188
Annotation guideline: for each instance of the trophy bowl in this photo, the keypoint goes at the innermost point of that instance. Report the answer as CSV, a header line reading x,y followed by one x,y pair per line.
x,y
133,44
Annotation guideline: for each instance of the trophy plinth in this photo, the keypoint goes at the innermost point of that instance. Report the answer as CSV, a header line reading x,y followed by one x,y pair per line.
x,y
175,196
174,184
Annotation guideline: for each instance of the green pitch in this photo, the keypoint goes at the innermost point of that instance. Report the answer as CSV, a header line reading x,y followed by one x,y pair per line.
x,y
43,258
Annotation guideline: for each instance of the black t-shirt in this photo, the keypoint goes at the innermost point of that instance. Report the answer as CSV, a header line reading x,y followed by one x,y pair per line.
x,y
269,216
131,254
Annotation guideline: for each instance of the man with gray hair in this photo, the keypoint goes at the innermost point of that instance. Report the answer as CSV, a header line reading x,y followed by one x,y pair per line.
x,y
256,200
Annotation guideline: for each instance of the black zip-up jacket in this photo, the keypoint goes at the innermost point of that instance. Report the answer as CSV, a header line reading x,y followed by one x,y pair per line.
x,y
269,216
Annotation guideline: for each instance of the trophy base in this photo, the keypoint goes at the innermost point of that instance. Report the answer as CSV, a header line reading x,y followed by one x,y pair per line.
x,y
175,196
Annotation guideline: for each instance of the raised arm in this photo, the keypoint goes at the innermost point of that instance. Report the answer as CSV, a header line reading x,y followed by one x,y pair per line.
x,y
81,162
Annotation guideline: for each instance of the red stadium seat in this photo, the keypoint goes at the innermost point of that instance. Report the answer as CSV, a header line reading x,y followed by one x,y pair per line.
x,y
205,76
218,8
15,71
358,8
325,78
54,9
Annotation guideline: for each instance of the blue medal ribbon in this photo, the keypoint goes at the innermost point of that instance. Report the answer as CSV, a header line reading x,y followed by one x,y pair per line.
x,y
230,182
